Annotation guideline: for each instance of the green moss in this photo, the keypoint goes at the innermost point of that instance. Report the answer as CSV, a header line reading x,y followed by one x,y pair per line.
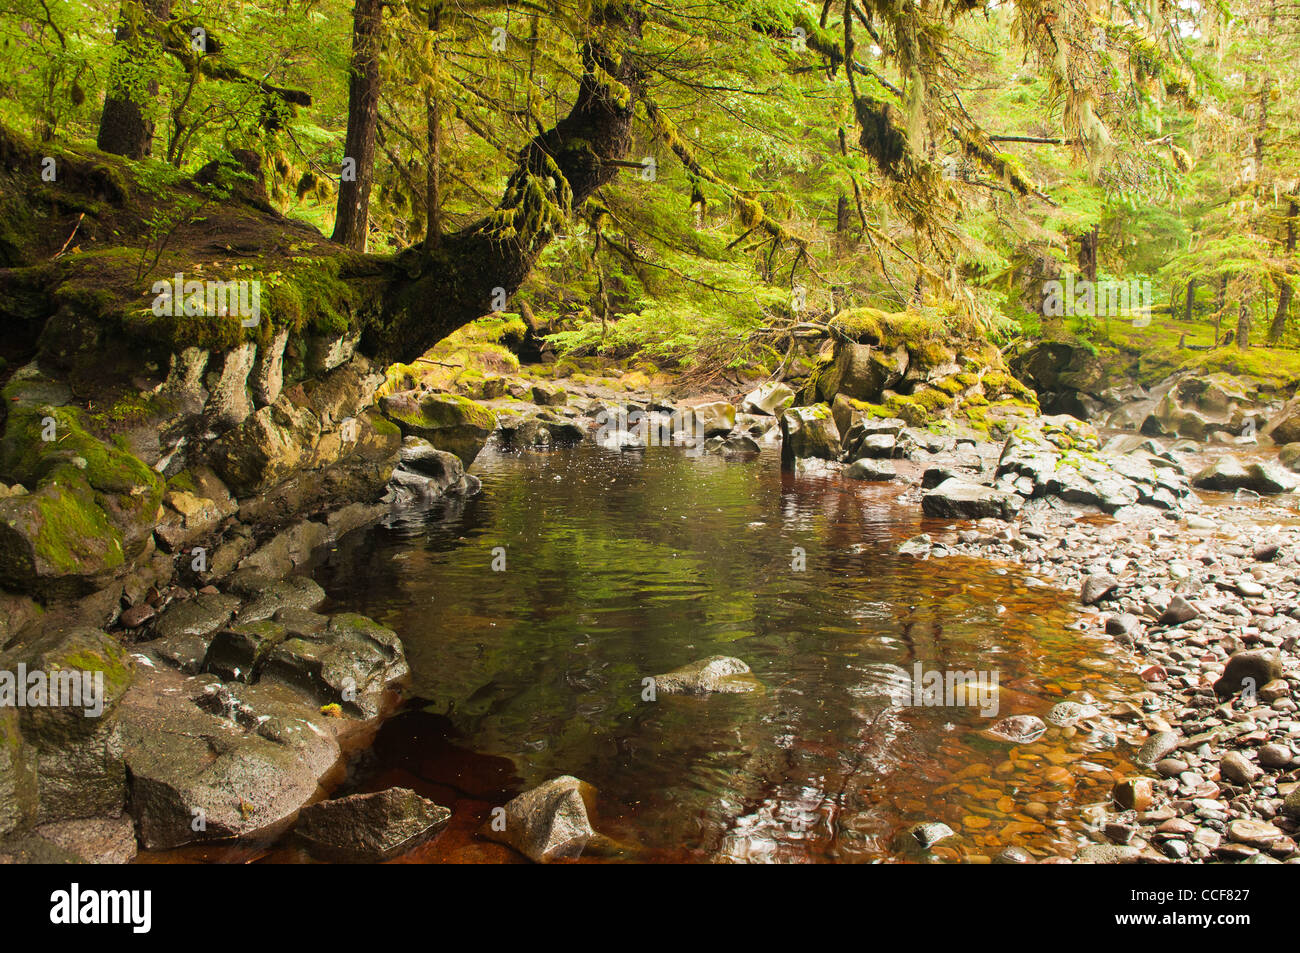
x,y
75,536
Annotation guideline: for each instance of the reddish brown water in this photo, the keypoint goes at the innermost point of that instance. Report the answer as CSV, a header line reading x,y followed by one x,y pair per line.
x,y
623,565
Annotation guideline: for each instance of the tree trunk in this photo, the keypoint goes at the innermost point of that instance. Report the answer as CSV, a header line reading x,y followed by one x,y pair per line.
x,y
1284,287
124,129
1243,325
1191,298
430,292
363,116
433,162
1088,242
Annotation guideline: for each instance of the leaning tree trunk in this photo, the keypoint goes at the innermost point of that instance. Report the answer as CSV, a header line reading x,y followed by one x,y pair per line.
x,y
429,292
124,129
350,223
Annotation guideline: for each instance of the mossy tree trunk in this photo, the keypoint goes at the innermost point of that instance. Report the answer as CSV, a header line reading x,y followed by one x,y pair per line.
x,y
1285,289
124,129
433,289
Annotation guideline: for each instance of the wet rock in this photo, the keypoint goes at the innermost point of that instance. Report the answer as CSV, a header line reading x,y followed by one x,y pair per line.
x,y
1253,833
1289,456
368,828
739,445
1097,587
714,419
770,399
719,673
295,592
1018,729
1132,794
861,372
1284,428
808,432
197,617
350,664
267,448
1248,670
197,775
448,422
1235,768
957,499
1065,714
871,470
550,822
1228,473
1124,625
929,833
1178,612
1014,855
95,840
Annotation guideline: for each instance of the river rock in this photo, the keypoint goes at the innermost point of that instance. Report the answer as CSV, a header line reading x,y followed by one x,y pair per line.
x,y
1251,670
871,470
1178,611
368,828
549,822
1132,794
715,419
1228,473
929,833
1158,746
447,421
808,432
719,673
1236,768
770,399
957,499
1018,729
1096,587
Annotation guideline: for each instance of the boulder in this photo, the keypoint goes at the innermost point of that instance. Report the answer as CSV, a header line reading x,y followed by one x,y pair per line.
x,y
1248,671
369,828
714,419
862,372
350,664
549,822
207,761
1228,473
957,499
871,470
1284,428
449,422
1197,407
770,399
808,432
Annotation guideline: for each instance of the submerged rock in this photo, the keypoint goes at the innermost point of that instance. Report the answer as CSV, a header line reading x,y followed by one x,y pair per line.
x,y
719,673
368,828
549,822
1018,729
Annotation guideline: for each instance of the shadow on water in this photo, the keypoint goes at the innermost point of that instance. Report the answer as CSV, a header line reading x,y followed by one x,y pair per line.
x,y
619,566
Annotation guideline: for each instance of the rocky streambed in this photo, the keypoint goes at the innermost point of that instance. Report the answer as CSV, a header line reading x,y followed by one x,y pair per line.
x,y
240,697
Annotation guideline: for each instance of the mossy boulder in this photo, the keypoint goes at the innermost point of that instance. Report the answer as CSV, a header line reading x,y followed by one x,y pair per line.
x,y
76,743
93,505
808,432
448,421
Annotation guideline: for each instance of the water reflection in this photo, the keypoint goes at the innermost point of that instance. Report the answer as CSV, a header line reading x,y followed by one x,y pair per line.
x,y
623,565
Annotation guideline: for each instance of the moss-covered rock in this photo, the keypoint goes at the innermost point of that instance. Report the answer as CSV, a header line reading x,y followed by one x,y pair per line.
x,y
448,421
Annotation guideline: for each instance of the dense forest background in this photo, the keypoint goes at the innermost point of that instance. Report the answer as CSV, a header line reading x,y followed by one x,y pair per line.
x,y
784,159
